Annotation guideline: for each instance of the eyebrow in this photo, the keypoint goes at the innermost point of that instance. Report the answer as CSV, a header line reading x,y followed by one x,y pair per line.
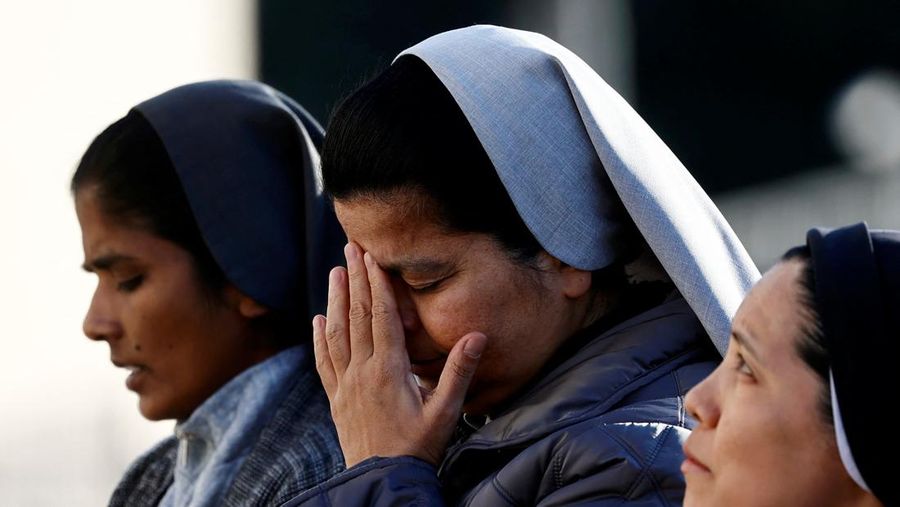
x,y
745,342
105,262
417,266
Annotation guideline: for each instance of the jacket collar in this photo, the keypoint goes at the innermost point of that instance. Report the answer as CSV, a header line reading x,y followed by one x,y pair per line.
x,y
590,382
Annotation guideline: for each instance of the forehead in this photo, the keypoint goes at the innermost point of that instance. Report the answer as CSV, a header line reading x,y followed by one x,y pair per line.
x,y
102,235
398,228
772,314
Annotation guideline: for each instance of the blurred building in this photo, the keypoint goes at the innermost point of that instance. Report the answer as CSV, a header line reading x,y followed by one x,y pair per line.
x,y
788,113
68,426
754,97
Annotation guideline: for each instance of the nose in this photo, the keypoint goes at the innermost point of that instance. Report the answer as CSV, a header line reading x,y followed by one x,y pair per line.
x,y
100,322
701,401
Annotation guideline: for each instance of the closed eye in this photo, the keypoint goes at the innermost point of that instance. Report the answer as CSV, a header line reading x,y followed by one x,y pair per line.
x,y
131,284
424,288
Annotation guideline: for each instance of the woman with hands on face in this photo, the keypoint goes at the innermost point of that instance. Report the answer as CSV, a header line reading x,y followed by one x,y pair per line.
x,y
526,299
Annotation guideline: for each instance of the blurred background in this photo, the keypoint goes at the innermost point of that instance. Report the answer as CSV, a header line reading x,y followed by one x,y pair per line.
x,y
788,113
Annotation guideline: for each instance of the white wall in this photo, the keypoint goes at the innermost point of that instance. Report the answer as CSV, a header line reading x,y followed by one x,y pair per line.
x,y
68,427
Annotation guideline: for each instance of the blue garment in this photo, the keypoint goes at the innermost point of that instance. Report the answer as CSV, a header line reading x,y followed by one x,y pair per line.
x,y
602,427
247,157
856,295
215,440
295,449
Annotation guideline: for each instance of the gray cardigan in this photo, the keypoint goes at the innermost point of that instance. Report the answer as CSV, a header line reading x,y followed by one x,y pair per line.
x,y
297,449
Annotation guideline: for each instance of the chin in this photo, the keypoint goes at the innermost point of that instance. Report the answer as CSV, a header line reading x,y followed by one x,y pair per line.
x,y
152,411
695,497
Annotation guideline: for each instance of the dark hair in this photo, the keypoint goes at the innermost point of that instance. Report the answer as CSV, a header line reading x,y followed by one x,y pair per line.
x,y
404,131
811,345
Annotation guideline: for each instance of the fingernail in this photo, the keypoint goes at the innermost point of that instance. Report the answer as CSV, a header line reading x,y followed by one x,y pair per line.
x,y
475,346
350,252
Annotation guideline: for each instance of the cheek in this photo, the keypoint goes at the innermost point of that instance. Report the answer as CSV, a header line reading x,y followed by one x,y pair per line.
x,y
449,315
166,322
761,442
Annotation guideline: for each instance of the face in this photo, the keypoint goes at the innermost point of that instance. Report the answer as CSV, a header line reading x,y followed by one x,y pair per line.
x,y
761,438
179,343
450,284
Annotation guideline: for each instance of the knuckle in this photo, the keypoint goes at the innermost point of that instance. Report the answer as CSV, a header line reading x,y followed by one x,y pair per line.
x,y
378,374
334,334
460,370
359,311
382,310
322,363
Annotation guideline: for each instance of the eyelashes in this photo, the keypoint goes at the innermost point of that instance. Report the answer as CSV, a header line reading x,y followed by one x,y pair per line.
x,y
424,289
131,284
742,367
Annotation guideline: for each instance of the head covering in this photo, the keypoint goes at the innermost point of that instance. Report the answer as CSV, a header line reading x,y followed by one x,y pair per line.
x,y
247,157
569,150
857,295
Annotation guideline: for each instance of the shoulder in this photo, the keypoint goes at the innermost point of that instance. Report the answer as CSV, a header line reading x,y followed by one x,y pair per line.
x,y
630,454
297,450
634,452
148,477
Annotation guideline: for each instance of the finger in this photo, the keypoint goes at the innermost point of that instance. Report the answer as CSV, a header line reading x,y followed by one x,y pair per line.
x,y
337,332
323,360
360,313
447,400
387,330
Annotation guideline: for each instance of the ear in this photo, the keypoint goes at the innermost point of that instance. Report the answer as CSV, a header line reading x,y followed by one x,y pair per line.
x,y
250,308
574,282
245,305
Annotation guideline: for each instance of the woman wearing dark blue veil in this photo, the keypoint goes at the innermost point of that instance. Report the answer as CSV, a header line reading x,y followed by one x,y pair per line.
x,y
799,412
202,216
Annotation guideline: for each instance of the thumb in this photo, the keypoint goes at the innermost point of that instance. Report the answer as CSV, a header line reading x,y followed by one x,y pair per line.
x,y
448,396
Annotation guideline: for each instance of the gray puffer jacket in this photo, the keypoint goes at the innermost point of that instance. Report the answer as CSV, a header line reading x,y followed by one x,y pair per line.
x,y
602,427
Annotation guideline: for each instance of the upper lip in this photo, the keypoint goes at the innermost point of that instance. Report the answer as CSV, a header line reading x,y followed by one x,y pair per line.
x,y
689,455
128,366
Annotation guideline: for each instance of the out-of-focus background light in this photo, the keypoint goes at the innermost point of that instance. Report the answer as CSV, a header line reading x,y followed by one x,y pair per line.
x,y
788,113
68,426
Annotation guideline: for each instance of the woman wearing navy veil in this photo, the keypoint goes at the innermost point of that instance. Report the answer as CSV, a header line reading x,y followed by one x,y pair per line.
x,y
202,216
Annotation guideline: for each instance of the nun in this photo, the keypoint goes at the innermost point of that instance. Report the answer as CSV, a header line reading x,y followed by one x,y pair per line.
x,y
799,411
533,282
203,218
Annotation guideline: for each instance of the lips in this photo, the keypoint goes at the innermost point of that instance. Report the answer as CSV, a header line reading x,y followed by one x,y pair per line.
x,y
692,465
136,376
